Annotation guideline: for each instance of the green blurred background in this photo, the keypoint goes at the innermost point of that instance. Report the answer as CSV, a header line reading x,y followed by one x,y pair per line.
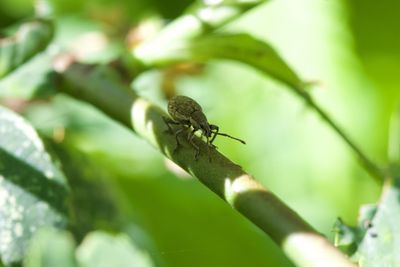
x,y
350,48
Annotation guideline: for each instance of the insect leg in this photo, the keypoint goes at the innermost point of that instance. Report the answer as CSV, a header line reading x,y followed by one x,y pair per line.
x,y
208,145
196,147
208,148
191,134
178,144
168,122
216,129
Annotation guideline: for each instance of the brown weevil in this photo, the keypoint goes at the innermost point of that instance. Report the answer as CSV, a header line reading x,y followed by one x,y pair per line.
x,y
188,113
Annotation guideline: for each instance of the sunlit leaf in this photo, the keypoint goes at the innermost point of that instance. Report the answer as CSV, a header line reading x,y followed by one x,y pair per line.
x,y
376,239
394,138
382,239
239,47
103,250
202,17
90,198
33,79
30,39
33,190
50,248
347,237
246,49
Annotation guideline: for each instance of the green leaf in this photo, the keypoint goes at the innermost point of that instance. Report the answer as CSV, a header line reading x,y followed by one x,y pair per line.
x,y
50,248
348,238
32,38
376,239
381,241
239,47
394,138
33,190
103,250
34,79
201,18
345,237
91,200
246,49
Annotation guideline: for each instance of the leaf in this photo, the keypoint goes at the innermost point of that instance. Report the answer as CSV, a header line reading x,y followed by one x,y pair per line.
x,y
201,17
381,241
239,47
50,248
33,190
91,200
31,38
394,138
246,49
377,236
34,79
100,249
345,237
348,238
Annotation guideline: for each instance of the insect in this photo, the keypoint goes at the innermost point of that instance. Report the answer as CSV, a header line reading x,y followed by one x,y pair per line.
x,y
188,113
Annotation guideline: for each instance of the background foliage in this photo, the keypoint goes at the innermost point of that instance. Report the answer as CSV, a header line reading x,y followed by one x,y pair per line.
x,y
162,217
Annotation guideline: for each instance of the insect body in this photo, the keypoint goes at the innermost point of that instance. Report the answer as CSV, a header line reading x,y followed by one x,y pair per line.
x,y
188,113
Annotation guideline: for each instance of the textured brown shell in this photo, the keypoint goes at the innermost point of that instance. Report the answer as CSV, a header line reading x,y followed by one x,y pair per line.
x,y
182,107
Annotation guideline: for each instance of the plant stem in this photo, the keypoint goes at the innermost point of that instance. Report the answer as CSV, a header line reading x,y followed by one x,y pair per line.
x,y
230,47
368,164
102,88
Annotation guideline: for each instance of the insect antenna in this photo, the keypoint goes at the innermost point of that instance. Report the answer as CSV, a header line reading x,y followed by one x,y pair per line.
x,y
227,135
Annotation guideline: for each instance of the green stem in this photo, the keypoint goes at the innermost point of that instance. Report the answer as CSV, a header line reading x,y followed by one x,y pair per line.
x,y
102,88
257,54
368,164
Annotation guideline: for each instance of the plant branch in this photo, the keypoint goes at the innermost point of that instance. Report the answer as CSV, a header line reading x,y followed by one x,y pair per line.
x,y
240,48
103,88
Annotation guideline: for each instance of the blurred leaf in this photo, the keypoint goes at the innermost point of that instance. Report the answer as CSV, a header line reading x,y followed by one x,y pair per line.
x,y
32,80
376,36
31,38
50,248
215,14
103,250
347,238
394,138
203,17
91,201
377,236
246,49
171,9
14,10
239,47
33,190
382,238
